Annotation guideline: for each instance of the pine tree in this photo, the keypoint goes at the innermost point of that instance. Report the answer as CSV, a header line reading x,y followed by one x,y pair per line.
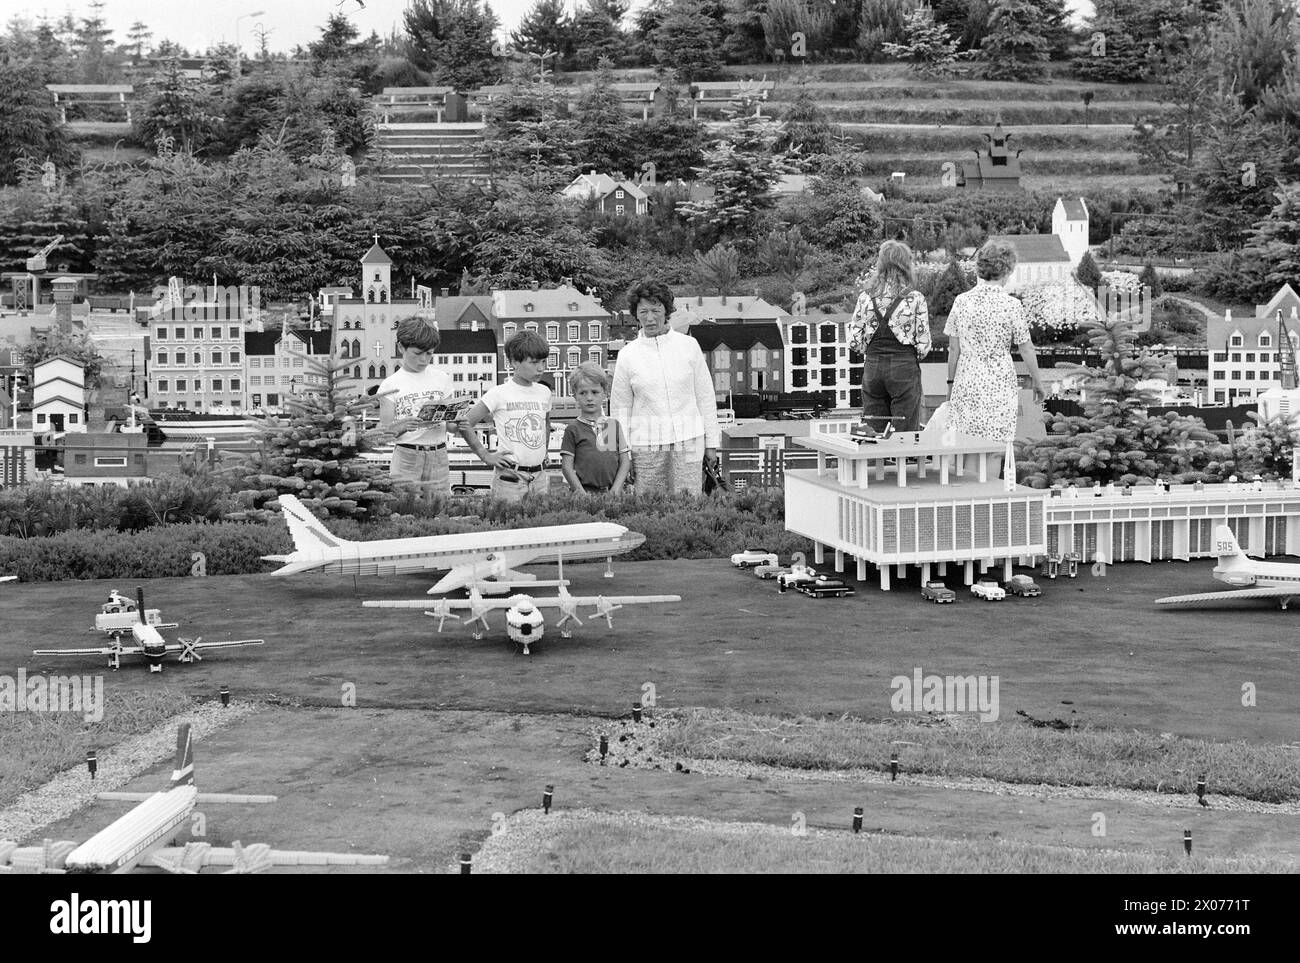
x,y
29,124
596,33
452,40
688,40
1275,244
547,26
605,141
139,35
719,269
742,168
1015,48
806,127
1087,273
178,107
951,283
314,453
1115,439
929,47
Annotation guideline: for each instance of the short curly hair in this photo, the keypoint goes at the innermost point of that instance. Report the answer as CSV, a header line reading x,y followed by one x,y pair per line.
x,y
996,259
650,289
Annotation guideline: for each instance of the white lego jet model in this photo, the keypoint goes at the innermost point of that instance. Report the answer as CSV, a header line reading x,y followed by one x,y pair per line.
x,y
1259,580
8,578
524,623
486,561
143,836
120,617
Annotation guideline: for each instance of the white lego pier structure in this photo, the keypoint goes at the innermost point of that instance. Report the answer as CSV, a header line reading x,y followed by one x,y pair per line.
x,y
906,500
1149,523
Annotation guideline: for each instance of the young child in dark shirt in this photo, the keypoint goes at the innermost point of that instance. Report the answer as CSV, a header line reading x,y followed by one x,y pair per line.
x,y
595,455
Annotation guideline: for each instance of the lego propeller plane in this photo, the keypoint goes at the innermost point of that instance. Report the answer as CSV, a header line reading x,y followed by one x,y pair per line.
x,y
486,561
524,621
143,836
1271,580
121,617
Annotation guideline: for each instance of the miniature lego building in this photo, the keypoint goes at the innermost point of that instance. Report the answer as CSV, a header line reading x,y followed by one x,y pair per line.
x,y
923,509
995,167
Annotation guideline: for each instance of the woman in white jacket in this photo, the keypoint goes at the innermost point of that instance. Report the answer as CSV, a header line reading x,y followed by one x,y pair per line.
x,y
663,397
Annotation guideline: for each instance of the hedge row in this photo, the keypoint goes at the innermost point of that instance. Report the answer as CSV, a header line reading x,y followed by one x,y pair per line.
x,y
675,527
987,114
962,91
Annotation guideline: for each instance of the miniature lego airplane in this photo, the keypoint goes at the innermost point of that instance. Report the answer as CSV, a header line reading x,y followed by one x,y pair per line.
x,y
485,561
142,837
8,578
524,623
1275,580
120,617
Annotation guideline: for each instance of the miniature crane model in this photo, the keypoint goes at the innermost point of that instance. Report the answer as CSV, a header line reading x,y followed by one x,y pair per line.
x,y
120,617
524,621
486,561
143,836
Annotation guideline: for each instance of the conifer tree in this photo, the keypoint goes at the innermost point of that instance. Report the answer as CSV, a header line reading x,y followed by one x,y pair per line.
x,y
314,453
687,39
1115,439
1151,279
1015,48
1275,245
546,27
951,283
928,46
605,141
1087,273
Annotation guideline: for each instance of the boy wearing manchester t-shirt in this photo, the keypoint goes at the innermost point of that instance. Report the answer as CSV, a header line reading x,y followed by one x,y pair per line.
x,y
520,409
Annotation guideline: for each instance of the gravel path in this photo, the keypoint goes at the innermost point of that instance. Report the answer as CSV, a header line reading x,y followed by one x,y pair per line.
x,y
73,789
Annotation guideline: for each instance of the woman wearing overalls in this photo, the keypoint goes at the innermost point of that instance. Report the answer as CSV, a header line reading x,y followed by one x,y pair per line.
x,y
890,328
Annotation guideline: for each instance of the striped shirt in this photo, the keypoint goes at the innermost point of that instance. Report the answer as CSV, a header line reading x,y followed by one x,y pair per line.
x,y
910,322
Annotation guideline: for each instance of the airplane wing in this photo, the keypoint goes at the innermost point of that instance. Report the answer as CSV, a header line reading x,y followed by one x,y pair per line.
x,y
606,599
1211,598
101,650
8,578
256,858
234,643
459,605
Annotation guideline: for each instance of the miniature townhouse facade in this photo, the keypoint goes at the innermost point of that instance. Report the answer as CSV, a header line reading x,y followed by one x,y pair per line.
x,y
612,195
575,326
818,357
902,501
742,358
196,357
1244,360
470,357
58,395
280,364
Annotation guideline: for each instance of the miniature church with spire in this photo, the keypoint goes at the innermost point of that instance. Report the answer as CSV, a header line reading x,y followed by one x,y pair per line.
x,y
365,327
995,167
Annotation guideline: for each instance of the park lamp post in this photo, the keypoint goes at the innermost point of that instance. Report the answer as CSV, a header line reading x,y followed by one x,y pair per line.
x,y
239,51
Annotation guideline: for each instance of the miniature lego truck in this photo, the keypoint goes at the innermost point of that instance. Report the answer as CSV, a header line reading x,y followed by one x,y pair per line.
x,y
823,585
119,623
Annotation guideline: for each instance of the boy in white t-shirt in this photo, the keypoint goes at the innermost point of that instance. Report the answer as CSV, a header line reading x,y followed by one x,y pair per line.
x,y
521,411
420,449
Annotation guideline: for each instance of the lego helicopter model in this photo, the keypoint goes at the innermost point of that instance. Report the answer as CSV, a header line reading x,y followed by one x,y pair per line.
x,y
119,618
524,620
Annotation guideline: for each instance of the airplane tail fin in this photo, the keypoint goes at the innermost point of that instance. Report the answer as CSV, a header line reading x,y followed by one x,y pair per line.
x,y
183,773
308,532
1226,549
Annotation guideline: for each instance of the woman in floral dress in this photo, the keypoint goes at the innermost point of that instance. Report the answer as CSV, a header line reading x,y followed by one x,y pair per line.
x,y
983,394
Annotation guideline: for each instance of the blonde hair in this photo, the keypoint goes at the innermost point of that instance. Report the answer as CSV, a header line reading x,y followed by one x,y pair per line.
x,y
589,373
894,271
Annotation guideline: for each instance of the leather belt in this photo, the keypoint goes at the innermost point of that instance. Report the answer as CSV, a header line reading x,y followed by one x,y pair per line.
x,y
422,447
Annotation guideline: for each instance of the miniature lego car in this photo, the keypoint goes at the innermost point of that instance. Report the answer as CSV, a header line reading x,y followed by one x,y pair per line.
x,y
988,590
938,592
824,585
751,557
1071,562
1023,585
770,571
793,577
